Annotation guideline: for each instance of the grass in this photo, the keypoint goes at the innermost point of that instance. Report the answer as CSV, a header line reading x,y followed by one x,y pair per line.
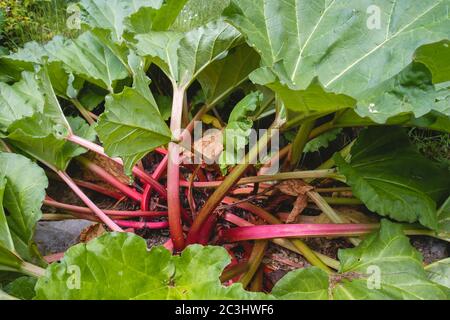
x,y
33,20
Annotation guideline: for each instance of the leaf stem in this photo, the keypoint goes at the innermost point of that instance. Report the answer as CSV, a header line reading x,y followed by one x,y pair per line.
x,y
258,251
85,113
299,143
32,270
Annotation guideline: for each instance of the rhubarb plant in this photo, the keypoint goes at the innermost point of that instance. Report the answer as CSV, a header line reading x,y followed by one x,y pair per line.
x,y
124,96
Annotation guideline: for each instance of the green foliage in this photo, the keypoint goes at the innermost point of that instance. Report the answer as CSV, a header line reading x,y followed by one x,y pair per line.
x,y
390,176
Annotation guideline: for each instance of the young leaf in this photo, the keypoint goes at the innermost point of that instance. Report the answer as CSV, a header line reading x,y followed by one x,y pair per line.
x,y
384,266
182,56
237,131
390,176
322,141
24,192
119,266
296,45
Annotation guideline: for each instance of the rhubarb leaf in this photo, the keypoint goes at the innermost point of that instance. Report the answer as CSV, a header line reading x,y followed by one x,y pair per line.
x,y
22,288
89,58
383,267
444,218
238,130
131,125
221,77
119,266
154,18
110,14
411,91
439,272
22,192
322,141
335,43
389,175
435,57
182,56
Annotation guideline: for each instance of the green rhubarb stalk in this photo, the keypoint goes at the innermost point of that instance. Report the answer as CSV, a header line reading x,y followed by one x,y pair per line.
x,y
299,143
258,251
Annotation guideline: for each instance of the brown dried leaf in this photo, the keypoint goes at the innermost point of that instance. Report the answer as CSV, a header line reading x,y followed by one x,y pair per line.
x,y
300,204
209,147
110,166
294,187
92,232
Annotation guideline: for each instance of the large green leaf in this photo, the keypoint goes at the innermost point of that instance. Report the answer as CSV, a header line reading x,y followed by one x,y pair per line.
x,y
411,91
23,192
335,42
390,176
131,127
22,288
119,266
224,75
384,266
196,13
89,58
182,56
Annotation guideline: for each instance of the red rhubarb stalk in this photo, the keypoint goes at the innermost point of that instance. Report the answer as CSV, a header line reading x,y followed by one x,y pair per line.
x,y
136,170
91,205
142,225
173,171
296,231
118,213
110,179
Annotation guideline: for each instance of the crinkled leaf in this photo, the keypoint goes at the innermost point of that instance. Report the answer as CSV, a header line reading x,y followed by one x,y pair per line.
x,y
411,91
336,42
89,58
322,141
383,267
22,288
182,56
435,57
237,132
389,175
224,75
119,266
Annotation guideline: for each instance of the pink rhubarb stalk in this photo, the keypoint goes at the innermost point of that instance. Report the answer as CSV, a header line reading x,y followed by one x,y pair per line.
x,y
136,170
115,213
295,231
110,179
91,205
142,225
